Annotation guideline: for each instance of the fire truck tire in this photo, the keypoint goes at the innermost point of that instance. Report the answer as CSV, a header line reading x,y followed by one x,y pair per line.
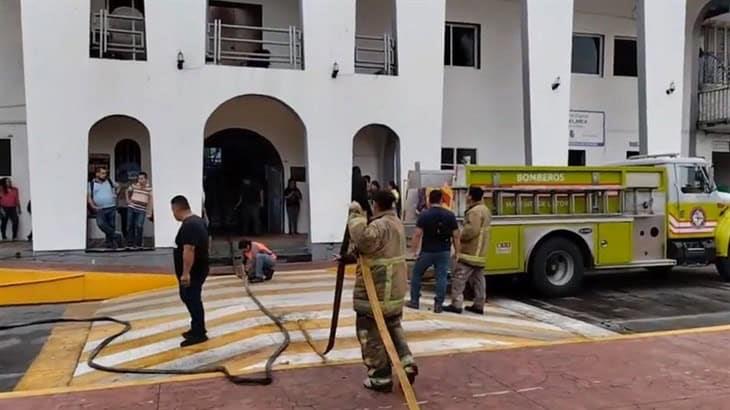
x,y
557,268
723,268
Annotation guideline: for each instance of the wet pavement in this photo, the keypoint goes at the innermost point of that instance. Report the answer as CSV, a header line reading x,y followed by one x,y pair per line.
x,y
18,348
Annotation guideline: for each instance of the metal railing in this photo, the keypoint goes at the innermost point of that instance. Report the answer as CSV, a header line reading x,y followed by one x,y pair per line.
x,y
376,54
230,44
714,106
117,36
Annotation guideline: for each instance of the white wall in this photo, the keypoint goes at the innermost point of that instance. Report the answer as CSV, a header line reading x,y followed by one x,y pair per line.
x,y
483,107
617,96
175,105
12,104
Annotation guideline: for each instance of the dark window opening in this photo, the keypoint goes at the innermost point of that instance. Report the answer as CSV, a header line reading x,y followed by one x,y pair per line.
x,y
447,158
587,57
127,160
462,45
466,156
117,30
624,58
630,154
576,157
5,163
298,174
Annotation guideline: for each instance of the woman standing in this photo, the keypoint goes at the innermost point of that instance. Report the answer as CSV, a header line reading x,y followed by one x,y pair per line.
x,y
10,203
293,198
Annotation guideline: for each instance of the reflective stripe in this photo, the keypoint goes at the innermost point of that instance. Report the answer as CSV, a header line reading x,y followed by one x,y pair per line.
x,y
473,260
385,261
388,283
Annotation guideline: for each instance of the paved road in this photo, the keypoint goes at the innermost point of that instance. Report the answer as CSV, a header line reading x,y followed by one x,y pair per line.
x,y
629,302
19,347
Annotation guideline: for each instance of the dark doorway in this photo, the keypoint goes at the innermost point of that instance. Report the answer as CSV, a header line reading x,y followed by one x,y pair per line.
x,y
230,156
721,168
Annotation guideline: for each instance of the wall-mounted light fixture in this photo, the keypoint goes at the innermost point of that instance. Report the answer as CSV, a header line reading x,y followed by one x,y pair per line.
x,y
671,88
180,60
556,84
335,70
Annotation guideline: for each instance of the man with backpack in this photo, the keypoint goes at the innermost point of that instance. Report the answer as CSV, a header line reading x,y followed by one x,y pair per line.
x,y
436,229
102,202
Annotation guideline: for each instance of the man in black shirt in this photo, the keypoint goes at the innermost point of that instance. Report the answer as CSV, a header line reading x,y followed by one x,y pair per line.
x,y
435,229
191,267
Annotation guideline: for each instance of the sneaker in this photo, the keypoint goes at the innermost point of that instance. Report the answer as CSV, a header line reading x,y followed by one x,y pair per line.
x,y
411,373
474,309
452,309
412,305
438,308
193,340
378,387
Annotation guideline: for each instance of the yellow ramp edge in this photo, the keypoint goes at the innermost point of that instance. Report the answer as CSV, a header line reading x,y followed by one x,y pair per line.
x,y
28,287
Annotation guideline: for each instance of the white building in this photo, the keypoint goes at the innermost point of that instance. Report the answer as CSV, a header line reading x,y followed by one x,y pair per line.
x,y
182,89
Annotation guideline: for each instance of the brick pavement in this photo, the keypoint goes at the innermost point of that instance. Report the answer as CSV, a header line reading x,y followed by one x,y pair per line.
x,y
658,372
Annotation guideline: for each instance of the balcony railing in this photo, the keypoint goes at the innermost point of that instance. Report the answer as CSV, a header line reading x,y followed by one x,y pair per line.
x,y
120,35
714,107
376,55
229,44
713,72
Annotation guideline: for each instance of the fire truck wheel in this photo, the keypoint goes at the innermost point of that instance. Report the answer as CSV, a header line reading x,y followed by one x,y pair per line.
x,y
723,268
557,268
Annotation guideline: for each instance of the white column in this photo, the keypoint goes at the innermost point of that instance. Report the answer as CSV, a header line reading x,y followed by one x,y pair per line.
x,y
547,28
661,71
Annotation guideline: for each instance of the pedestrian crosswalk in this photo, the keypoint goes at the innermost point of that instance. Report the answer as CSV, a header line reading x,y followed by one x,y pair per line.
x,y
242,338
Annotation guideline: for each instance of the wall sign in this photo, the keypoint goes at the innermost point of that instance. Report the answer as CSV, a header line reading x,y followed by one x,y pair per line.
x,y
587,128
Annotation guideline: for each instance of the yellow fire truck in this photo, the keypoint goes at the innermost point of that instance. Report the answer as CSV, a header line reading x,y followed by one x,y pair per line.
x,y
556,223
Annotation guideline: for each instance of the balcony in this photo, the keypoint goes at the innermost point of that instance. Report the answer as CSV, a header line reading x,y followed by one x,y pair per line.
x,y
119,35
375,55
250,46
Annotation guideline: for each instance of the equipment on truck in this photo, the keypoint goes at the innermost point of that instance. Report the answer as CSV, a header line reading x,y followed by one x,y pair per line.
x,y
556,223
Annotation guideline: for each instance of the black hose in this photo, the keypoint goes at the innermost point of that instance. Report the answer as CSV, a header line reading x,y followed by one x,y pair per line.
x,y
237,379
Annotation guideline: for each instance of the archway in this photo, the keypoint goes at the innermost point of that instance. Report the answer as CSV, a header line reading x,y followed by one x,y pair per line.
x,y
254,144
376,150
121,145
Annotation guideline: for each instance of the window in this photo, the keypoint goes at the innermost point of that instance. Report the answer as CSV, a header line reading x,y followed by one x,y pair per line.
x,y
624,57
576,157
630,154
587,54
213,157
127,160
450,157
462,47
298,174
5,165
118,30
693,180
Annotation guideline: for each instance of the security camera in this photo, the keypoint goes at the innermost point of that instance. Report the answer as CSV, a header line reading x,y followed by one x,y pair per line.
x,y
671,88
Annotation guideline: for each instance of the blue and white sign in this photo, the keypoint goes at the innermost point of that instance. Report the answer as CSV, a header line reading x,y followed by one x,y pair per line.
x,y
587,128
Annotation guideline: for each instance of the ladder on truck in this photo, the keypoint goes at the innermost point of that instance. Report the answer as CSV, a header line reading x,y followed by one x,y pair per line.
x,y
595,199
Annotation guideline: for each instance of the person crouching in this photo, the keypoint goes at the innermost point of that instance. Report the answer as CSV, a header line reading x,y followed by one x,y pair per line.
x,y
259,261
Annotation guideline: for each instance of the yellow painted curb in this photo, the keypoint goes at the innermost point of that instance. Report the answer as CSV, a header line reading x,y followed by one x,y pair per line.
x,y
28,287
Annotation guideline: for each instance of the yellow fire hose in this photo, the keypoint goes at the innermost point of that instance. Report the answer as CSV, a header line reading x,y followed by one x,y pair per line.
x,y
387,340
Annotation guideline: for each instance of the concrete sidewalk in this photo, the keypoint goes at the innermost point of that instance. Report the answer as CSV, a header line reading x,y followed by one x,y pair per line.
x,y
667,372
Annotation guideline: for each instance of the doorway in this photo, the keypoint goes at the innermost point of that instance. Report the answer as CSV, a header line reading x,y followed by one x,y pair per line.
x,y
244,183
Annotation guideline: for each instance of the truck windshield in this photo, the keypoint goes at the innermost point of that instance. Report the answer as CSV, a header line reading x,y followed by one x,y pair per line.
x,y
694,179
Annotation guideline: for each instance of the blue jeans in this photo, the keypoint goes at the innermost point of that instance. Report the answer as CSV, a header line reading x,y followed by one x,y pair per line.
x,y
106,220
440,262
264,266
135,227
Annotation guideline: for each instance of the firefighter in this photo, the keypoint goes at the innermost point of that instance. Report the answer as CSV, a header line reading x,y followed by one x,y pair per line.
x,y
381,244
470,262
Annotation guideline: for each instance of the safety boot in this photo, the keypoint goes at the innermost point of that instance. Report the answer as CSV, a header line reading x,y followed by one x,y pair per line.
x,y
474,309
382,387
411,373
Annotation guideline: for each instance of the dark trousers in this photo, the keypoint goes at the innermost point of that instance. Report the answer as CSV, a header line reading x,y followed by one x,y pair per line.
x,y
251,219
135,227
292,212
10,214
106,220
191,297
123,211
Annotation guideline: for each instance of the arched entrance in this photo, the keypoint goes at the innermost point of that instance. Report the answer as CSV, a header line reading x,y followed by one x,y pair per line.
x,y
120,145
376,150
253,146
233,156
